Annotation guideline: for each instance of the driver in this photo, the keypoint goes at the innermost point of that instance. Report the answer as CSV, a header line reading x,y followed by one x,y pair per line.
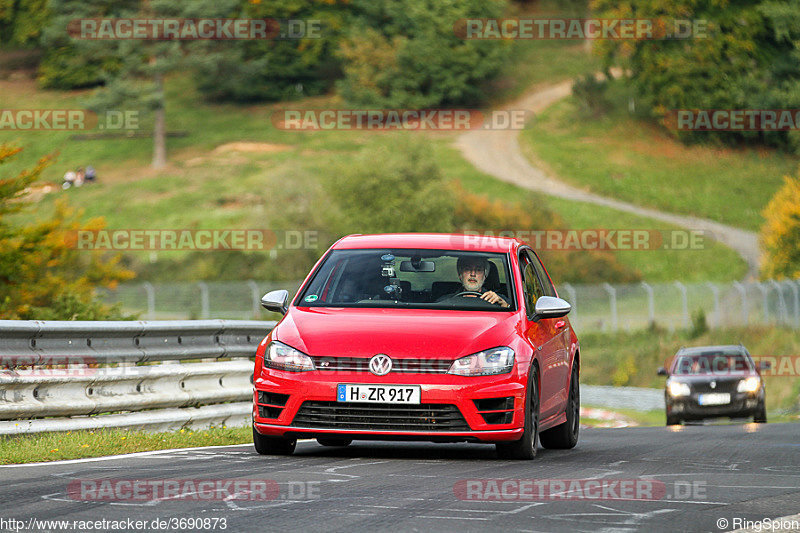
x,y
472,273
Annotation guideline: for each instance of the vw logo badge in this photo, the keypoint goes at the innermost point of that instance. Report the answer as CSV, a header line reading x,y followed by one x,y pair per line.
x,y
713,384
380,364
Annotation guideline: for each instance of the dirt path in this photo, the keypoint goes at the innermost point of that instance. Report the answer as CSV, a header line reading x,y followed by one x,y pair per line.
x,y
497,152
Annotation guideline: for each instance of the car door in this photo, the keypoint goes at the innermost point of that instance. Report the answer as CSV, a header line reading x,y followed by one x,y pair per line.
x,y
560,329
540,335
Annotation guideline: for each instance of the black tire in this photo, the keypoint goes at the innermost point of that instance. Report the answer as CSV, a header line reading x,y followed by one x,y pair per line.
x,y
525,447
673,421
761,415
273,445
333,441
565,436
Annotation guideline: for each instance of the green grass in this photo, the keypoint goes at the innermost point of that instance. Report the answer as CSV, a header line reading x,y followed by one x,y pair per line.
x,y
623,157
80,444
631,359
715,262
640,418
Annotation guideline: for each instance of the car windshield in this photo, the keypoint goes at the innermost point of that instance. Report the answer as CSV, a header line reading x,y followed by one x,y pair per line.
x,y
711,363
390,278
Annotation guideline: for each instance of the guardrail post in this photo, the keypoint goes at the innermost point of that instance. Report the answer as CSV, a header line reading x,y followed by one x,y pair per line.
x,y
151,300
684,303
254,292
573,299
612,300
204,308
651,304
717,310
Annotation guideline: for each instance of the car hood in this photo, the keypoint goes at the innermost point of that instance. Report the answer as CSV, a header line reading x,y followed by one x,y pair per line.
x,y
435,334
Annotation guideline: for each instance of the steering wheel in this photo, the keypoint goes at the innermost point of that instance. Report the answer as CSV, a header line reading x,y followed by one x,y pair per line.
x,y
469,293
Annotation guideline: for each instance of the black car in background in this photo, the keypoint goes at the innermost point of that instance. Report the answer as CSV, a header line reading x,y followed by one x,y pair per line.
x,y
712,382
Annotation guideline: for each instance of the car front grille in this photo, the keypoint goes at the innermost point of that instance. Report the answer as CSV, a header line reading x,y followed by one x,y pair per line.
x,y
727,385
380,417
401,366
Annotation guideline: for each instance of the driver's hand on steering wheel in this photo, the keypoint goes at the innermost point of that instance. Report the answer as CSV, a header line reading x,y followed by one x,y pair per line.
x,y
493,298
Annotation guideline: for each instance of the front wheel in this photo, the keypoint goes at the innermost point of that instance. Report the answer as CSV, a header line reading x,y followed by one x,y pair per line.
x,y
525,448
673,420
565,436
761,415
273,445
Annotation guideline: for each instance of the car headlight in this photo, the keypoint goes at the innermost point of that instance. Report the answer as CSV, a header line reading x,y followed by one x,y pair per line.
x,y
750,384
676,388
283,357
486,363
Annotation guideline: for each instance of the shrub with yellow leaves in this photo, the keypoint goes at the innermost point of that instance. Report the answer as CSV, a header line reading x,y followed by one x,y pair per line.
x,y
42,275
780,234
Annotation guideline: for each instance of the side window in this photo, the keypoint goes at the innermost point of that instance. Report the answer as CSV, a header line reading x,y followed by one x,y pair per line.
x,y
530,284
549,290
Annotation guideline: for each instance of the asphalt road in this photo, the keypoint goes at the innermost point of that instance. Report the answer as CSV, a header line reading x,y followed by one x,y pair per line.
x,y
705,474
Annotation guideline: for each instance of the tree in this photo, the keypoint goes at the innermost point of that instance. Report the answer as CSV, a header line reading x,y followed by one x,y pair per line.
x,y
301,63
780,234
22,23
42,275
408,55
748,60
133,71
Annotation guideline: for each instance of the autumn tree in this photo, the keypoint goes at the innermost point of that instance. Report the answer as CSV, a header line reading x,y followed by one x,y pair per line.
x,y
780,234
42,274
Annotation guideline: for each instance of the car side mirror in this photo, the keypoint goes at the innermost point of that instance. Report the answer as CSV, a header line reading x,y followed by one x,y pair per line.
x,y
550,307
276,301
662,371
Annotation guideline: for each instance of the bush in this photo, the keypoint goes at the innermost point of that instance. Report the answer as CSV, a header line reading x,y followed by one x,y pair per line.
x,y
392,189
591,95
699,324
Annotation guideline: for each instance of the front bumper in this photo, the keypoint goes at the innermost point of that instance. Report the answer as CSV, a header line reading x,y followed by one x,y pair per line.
x,y
452,408
742,405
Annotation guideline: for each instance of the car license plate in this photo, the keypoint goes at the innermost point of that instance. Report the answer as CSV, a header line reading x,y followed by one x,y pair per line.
x,y
716,398
362,393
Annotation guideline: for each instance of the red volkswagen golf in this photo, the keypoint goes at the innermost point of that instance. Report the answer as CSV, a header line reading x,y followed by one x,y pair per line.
x,y
433,337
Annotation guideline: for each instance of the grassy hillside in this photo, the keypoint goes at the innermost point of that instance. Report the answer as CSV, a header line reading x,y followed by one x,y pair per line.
x,y
213,182
620,156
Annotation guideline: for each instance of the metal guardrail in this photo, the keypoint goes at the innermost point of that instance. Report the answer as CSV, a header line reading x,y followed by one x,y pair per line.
x,y
83,369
